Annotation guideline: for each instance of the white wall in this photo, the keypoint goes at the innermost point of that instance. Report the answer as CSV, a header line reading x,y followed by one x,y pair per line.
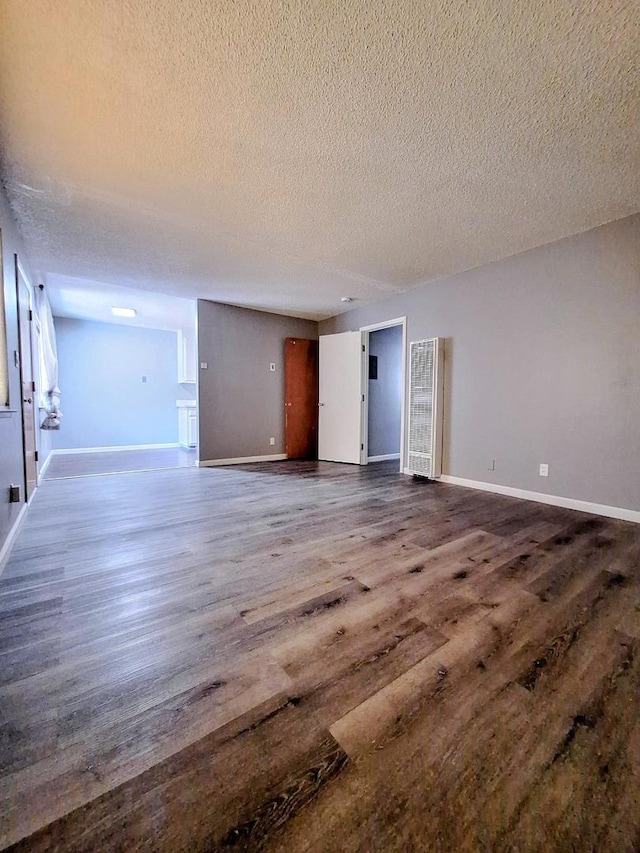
x,y
104,400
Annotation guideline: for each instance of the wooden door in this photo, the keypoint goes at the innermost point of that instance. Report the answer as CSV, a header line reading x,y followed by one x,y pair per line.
x,y
340,399
27,387
301,398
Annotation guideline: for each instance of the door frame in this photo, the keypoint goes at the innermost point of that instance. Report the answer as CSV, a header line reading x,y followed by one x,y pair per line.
x,y
364,438
22,278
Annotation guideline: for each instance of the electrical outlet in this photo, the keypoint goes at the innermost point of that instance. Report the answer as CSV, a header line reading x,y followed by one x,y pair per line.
x,y
272,366
203,365
272,441
544,469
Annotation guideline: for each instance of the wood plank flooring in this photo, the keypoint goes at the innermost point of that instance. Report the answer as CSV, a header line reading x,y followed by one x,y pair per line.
x,y
308,656
68,465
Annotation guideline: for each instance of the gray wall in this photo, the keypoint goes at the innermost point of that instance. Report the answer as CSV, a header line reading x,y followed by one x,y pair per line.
x,y
241,403
385,392
104,400
11,462
542,364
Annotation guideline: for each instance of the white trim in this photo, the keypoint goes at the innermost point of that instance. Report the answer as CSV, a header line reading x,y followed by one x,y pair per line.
x,y
540,497
45,464
399,321
364,330
383,458
364,397
67,450
404,393
241,460
11,537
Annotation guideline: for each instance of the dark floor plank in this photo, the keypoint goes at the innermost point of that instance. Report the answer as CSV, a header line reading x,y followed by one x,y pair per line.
x,y
303,655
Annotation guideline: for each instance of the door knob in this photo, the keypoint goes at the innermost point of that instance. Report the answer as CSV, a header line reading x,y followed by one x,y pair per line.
x,y
27,400
321,404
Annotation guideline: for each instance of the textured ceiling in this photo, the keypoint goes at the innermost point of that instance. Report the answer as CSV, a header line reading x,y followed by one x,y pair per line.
x,y
284,154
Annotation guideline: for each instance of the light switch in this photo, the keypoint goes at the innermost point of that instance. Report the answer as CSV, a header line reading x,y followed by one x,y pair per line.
x,y
272,367
203,365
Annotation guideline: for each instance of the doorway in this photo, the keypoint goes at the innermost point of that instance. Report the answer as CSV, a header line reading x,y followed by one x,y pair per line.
x,y
127,368
384,366
384,406
344,398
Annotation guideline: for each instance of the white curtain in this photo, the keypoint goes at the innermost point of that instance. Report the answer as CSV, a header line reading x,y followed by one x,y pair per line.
x,y
48,357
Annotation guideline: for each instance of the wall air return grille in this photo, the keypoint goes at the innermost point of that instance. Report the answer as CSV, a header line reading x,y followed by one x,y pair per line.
x,y
424,456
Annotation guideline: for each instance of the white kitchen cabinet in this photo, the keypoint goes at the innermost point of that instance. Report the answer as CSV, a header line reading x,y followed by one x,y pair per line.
x,y
187,423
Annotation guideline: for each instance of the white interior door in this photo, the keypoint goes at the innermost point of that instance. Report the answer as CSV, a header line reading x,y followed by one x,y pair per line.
x,y
340,397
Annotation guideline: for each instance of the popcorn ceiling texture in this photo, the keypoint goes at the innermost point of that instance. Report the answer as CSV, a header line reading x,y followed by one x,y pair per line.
x,y
284,154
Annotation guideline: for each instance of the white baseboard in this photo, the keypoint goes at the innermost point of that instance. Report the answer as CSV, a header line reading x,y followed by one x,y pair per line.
x,y
68,450
540,497
383,458
45,464
8,544
241,460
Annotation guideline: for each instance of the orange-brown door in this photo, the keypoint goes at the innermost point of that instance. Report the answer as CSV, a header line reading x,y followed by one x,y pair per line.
x,y
301,398
27,386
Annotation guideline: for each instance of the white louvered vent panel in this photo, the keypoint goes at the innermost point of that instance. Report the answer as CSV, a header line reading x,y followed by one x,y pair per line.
x,y
420,463
423,408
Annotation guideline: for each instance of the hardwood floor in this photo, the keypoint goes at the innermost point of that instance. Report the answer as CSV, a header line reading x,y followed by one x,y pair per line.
x,y
308,656
68,465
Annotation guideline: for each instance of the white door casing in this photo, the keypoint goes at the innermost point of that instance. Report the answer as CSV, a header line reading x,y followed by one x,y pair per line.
x,y
366,330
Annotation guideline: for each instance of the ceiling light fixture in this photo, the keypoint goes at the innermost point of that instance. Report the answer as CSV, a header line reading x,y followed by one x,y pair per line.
x,y
347,299
124,312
